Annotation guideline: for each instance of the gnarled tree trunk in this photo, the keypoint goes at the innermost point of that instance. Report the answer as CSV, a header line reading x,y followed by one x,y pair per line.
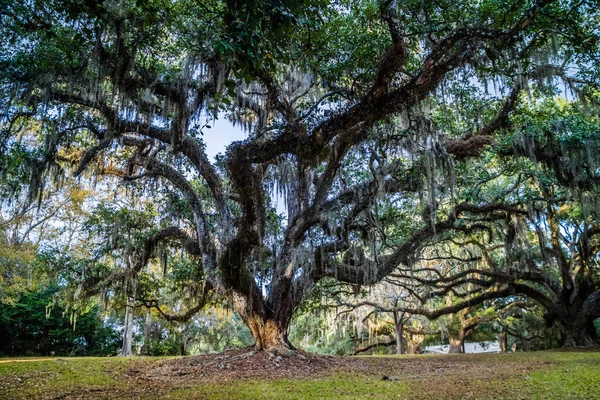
x,y
269,334
580,333
577,320
268,323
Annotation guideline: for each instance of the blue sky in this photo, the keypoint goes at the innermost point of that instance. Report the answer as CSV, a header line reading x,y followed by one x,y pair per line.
x,y
220,136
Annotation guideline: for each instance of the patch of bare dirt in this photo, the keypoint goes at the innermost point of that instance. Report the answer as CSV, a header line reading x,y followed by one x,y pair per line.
x,y
245,364
249,364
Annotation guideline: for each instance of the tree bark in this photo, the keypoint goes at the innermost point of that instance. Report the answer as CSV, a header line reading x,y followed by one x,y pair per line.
x,y
399,325
268,324
503,342
147,330
126,349
580,332
183,345
457,343
269,334
414,343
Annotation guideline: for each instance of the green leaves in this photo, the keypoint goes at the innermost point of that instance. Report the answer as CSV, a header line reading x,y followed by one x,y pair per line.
x,y
37,325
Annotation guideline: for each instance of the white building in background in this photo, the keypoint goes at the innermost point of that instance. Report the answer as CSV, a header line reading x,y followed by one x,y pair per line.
x,y
478,347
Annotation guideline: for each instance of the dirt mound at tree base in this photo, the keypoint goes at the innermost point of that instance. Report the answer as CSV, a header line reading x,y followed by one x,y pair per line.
x,y
246,364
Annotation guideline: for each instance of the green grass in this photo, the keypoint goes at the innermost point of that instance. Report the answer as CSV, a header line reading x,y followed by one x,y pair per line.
x,y
339,386
577,376
536,375
37,378
540,375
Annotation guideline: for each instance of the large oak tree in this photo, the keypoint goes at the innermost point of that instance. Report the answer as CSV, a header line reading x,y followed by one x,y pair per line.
x,y
336,98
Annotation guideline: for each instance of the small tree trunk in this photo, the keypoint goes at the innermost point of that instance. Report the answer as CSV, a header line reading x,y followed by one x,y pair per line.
x,y
147,331
457,343
414,343
185,341
126,350
183,345
503,342
399,325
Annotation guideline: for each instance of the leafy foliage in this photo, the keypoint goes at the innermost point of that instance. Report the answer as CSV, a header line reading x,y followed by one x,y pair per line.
x,y
37,324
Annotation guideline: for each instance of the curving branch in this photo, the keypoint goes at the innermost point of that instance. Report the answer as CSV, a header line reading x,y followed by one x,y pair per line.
x,y
373,271
473,143
94,285
494,293
183,316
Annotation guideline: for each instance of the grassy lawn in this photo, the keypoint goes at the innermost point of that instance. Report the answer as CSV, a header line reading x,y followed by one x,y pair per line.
x,y
539,375
56,377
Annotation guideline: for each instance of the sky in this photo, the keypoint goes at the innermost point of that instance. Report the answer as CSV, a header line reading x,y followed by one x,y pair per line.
x,y
221,135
